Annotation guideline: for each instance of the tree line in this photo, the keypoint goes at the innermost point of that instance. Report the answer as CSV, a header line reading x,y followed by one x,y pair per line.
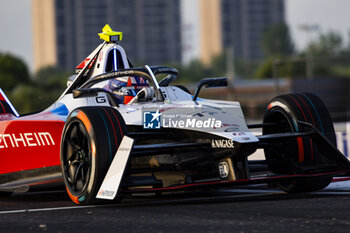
x,y
27,92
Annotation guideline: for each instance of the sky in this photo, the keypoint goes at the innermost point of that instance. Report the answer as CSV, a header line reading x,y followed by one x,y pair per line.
x,y
329,15
16,29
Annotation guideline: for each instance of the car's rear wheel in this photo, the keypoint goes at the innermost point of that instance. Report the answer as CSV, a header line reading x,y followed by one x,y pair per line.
x,y
287,110
90,139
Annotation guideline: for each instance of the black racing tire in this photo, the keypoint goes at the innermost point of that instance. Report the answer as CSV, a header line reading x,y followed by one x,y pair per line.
x,y
90,139
185,89
287,110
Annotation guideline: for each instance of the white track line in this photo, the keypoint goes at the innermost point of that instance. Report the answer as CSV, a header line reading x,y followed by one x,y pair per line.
x,y
46,209
330,192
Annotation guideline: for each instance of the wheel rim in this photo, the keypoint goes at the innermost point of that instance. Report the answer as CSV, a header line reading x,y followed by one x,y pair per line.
x,y
76,157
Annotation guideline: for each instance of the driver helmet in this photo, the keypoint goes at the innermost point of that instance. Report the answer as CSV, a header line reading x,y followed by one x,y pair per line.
x,y
126,88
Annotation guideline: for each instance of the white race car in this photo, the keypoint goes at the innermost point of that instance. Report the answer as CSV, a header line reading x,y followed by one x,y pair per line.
x,y
117,130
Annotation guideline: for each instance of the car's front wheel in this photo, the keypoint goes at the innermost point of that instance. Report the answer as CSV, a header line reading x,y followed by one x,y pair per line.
x,y
90,139
287,110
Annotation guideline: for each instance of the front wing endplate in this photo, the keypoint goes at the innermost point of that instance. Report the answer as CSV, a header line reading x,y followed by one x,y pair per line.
x,y
111,182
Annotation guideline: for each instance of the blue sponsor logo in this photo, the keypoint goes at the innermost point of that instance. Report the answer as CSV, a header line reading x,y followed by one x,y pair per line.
x,y
151,119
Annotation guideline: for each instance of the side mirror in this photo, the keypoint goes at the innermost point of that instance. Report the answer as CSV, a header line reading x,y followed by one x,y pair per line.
x,y
167,80
209,82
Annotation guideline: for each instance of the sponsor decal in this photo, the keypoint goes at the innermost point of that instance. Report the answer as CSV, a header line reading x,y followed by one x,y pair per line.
x,y
100,99
124,149
106,193
155,120
16,140
151,119
224,169
222,143
191,123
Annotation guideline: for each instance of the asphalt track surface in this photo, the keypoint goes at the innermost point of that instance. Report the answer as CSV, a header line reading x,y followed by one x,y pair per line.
x,y
246,209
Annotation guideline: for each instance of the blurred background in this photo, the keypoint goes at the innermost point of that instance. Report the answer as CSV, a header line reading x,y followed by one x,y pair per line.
x,y
264,47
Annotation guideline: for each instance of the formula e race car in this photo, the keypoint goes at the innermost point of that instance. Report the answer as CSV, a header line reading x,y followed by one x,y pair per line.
x,y
117,130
